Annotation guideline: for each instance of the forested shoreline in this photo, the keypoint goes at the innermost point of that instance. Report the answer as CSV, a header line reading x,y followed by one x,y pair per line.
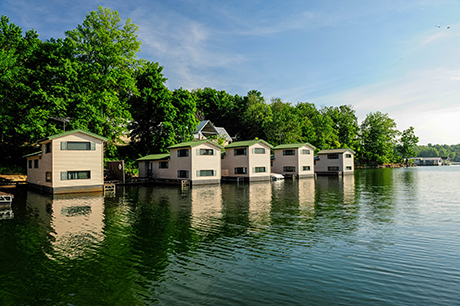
x,y
93,78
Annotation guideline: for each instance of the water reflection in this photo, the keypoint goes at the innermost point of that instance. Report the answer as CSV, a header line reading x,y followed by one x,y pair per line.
x,y
6,211
291,242
73,222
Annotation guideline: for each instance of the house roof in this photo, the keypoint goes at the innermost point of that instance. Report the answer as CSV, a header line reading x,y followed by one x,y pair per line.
x,y
194,143
293,146
33,154
336,151
247,143
72,132
223,133
206,127
155,157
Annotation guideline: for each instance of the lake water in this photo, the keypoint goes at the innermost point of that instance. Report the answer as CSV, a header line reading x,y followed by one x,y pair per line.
x,y
380,237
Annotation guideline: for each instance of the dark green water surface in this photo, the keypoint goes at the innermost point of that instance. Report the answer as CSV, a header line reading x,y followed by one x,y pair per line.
x,y
380,237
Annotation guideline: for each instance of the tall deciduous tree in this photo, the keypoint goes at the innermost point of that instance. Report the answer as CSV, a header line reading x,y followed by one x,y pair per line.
x,y
160,117
378,139
407,143
317,126
283,126
255,116
345,125
106,49
17,119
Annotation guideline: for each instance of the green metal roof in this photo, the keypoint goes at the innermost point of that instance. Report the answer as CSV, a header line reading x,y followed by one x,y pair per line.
x,y
336,151
247,143
154,157
72,132
193,143
33,154
293,146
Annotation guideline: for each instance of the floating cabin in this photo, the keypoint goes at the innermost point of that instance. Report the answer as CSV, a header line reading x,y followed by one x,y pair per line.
x,y
294,160
249,160
335,162
198,162
69,162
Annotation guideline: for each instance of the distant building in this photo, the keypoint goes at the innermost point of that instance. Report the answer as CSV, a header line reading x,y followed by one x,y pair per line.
x,y
335,161
206,130
69,162
248,159
295,159
427,161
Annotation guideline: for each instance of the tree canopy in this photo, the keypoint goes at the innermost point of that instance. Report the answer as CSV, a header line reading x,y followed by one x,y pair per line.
x,y
93,77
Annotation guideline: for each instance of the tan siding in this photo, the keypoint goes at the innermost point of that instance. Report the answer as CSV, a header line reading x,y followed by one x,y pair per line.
x,y
78,160
259,160
230,162
323,164
178,163
35,175
205,162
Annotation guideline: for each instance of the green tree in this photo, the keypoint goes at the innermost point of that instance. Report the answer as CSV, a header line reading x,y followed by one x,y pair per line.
x,y
378,139
17,119
106,50
317,126
221,108
185,122
345,125
407,143
152,111
255,116
160,117
284,125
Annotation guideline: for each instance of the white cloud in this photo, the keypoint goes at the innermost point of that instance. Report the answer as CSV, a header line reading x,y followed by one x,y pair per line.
x,y
427,100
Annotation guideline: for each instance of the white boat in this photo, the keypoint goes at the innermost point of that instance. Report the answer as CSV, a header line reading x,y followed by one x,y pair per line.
x,y
276,177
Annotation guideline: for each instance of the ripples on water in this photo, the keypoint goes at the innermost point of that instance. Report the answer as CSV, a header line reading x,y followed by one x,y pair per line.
x,y
380,237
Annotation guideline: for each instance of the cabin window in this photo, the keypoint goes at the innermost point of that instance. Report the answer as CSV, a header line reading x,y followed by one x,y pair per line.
x,y
78,145
48,147
206,173
75,175
163,165
182,153
259,169
241,170
259,151
348,168
182,173
30,164
288,169
205,152
333,156
241,151
35,163
304,151
333,168
347,155
288,152
306,168
48,176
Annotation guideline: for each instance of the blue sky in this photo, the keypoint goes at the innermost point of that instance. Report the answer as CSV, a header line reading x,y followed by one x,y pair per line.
x,y
386,56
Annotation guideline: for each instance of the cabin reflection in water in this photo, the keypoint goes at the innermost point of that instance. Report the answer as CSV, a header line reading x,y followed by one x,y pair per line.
x,y
336,189
69,219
